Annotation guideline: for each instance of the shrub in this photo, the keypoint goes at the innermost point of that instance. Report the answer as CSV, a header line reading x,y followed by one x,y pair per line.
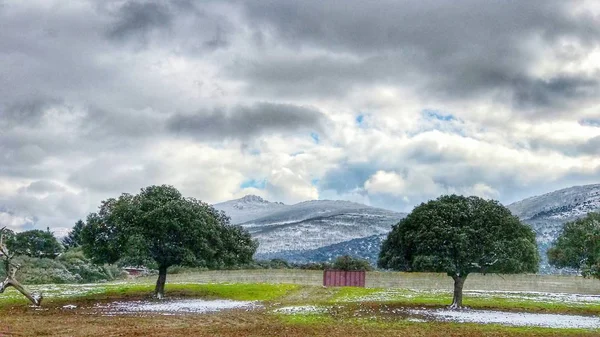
x,y
348,262
69,267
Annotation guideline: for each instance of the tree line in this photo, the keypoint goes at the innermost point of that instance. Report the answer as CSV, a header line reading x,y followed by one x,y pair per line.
x,y
452,234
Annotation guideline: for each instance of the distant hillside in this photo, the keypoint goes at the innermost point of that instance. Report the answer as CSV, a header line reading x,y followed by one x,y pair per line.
x,y
547,213
249,208
365,248
308,225
320,230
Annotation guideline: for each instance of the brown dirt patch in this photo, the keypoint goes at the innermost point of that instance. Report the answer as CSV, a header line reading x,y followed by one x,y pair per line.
x,y
56,322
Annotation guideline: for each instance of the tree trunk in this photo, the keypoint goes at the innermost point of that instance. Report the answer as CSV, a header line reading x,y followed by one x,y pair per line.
x,y
10,281
459,281
159,291
36,299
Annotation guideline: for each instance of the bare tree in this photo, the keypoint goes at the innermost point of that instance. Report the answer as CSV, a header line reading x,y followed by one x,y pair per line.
x,y
11,270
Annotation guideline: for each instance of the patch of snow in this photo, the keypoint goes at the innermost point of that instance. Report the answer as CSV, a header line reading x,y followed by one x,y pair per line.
x,y
169,307
511,318
418,320
301,309
537,296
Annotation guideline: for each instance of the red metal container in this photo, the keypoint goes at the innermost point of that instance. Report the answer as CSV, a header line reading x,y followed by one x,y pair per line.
x,y
343,278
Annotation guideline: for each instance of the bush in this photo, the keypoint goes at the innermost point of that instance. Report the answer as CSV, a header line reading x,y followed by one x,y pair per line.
x,y
77,264
43,271
314,266
350,263
69,267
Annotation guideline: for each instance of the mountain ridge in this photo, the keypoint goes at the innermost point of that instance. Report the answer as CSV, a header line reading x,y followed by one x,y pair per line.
x,y
307,225
319,230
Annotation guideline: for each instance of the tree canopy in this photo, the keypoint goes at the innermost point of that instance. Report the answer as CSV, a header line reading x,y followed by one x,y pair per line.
x,y
161,225
578,246
459,235
73,238
34,243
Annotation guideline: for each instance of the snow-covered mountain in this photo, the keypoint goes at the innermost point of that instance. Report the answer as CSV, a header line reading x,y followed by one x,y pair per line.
x,y
365,248
547,213
249,208
566,204
321,230
307,225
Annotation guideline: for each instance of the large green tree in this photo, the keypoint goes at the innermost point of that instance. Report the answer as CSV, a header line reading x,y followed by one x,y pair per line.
x,y
578,246
460,235
35,243
162,225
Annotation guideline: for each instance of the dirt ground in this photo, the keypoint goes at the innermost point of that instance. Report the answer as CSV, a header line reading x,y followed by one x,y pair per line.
x,y
236,323
345,319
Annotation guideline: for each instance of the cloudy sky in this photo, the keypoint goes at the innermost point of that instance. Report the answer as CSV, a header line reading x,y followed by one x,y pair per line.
x,y
388,103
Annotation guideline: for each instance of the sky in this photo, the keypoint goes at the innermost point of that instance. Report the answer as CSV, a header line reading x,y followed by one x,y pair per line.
x,y
386,103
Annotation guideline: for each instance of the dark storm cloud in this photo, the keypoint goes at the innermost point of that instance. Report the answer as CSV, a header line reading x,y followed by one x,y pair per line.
x,y
135,19
189,26
25,111
324,76
560,92
455,49
243,122
441,28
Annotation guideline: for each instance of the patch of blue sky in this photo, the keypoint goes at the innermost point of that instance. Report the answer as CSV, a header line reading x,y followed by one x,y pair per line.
x,y
435,120
315,182
360,119
348,177
260,184
436,114
315,137
590,122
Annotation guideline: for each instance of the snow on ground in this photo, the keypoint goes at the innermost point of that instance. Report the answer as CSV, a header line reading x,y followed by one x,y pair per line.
x,y
463,316
301,309
174,306
393,294
511,318
62,290
537,296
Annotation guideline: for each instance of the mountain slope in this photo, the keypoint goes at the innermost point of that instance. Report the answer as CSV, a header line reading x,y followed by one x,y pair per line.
x,y
248,208
547,213
365,248
566,204
320,230
307,225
